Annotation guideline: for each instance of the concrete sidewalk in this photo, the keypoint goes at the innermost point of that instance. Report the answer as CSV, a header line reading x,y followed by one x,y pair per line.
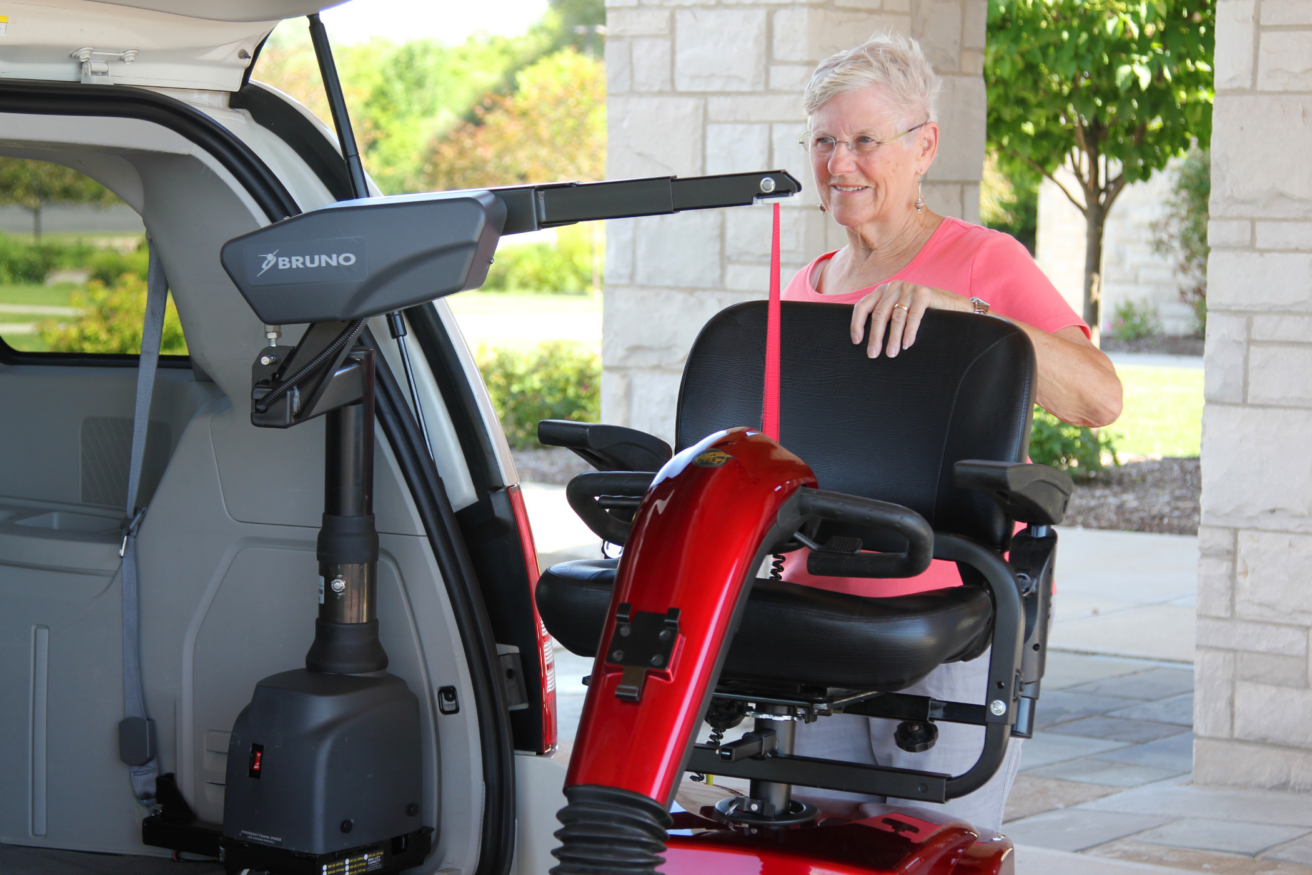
x,y
1105,784
1125,594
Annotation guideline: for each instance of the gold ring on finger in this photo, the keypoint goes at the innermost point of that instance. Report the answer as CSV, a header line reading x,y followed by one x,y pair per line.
x,y
903,306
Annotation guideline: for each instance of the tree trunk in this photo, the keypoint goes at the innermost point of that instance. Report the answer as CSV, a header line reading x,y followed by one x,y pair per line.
x,y
36,223
1095,215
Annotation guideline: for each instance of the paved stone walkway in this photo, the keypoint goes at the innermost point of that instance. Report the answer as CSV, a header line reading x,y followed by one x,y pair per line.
x,y
1108,775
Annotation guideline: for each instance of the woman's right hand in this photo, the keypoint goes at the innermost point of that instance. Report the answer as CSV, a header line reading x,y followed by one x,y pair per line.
x,y
896,309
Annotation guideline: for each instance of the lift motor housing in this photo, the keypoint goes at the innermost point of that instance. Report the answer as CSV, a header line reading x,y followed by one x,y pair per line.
x,y
355,259
322,777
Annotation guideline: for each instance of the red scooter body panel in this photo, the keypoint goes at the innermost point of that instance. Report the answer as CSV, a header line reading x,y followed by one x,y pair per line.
x,y
692,547
891,842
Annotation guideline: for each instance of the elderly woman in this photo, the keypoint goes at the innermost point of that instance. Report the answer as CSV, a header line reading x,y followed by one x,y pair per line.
x,y
872,137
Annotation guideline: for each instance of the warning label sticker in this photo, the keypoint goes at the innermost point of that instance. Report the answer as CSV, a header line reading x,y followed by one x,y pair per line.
x,y
369,861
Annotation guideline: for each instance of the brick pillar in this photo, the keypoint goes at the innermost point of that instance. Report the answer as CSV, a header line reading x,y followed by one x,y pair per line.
x,y
699,87
1255,575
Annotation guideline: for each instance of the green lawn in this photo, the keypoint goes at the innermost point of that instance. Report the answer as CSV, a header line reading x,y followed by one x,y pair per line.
x,y
10,316
1163,412
26,342
40,295
30,295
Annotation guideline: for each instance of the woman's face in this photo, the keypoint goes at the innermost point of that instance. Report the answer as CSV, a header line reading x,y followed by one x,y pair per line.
x,y
877,187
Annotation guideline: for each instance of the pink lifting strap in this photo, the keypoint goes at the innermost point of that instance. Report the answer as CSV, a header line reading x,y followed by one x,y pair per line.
x,y
770,409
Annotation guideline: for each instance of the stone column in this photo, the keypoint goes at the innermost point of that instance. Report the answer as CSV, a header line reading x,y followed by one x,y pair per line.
x,y
699,87
1254,700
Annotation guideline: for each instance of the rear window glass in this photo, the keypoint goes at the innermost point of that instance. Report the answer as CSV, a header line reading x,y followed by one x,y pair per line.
x,y
73,262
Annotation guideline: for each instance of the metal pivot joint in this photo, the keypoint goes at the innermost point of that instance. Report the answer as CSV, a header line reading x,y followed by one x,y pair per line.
x,y
767,803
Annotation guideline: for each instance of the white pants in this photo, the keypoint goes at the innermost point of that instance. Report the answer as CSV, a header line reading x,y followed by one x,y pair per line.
x,y
869,741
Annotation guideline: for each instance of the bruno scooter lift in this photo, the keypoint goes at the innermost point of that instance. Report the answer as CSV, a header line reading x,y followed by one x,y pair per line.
x,y
323,765
323,768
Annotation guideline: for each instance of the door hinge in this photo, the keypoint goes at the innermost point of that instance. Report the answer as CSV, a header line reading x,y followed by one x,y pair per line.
x,y
94,70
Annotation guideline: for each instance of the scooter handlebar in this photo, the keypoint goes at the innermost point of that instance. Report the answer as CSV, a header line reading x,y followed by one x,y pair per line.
x,y
868,512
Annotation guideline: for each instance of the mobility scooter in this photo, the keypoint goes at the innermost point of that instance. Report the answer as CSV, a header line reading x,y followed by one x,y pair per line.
x,y
881,464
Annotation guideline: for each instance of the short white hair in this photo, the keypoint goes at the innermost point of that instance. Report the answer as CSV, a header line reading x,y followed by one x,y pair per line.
x,y
896,65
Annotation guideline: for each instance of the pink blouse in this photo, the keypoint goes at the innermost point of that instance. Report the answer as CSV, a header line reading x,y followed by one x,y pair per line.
x,y
974,262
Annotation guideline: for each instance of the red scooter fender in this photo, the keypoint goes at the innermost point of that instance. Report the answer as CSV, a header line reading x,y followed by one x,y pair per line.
x,y
696,543
697,540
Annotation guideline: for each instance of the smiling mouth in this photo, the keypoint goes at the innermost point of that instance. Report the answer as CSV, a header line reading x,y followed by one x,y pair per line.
x,y
848,188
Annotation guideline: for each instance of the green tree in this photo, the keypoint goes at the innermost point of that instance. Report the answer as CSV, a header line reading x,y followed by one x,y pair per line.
x,y
401,97
577,23
1010,203
553,127
1111,90
35,185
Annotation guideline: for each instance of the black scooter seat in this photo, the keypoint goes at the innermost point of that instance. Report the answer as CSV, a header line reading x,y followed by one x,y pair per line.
x,y
798,634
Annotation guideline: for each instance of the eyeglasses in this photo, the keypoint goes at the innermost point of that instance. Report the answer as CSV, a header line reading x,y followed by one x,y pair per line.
x,y
862,146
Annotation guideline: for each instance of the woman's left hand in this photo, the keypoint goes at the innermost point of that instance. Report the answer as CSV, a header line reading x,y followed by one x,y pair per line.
x,y
896,309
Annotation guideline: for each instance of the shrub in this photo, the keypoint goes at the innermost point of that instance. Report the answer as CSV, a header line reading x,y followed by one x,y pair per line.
x,y
107,265
1182,232
1073,448
111,321
24,262
1135,320
551,381
542,267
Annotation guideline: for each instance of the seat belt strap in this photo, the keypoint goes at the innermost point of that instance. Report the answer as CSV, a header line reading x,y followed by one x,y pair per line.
x,y
136,732
770,407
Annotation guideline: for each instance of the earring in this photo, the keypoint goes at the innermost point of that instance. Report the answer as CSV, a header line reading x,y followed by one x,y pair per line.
x,y
822,209
920,195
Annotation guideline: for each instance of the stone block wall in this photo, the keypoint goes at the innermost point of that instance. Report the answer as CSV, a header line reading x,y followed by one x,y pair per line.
x,y
1254,699
715,86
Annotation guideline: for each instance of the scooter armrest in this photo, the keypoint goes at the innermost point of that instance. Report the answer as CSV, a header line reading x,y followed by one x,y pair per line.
x,y
868,513
595,494
1026,492
606,447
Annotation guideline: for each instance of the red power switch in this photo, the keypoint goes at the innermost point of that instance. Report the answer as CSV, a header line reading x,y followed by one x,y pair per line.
x,y
257,760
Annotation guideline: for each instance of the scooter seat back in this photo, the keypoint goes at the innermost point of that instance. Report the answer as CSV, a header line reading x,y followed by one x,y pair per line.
x,y
884,428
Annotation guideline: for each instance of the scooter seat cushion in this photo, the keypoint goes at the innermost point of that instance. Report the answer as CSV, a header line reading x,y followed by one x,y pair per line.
x,y
797,634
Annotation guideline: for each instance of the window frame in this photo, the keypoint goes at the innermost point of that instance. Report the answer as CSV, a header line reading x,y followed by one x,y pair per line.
x,y
29,97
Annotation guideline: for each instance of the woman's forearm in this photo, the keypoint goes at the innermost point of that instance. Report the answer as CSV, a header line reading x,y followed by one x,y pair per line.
x,y
1077,383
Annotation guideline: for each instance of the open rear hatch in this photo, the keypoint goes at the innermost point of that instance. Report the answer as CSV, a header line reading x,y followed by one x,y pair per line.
x,y
190,44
